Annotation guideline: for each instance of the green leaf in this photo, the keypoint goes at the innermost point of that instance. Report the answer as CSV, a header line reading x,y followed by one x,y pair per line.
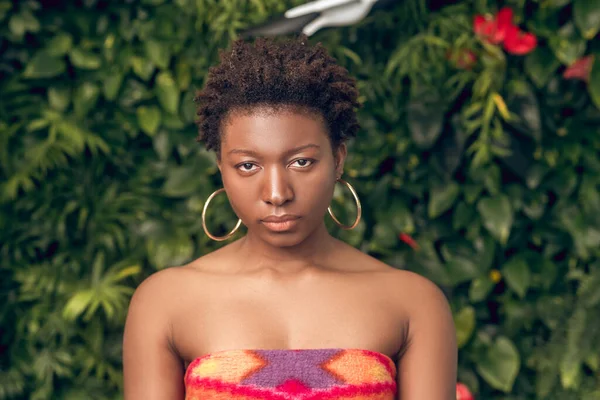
x,y
500,364
142,67
112,84
535,206
492,179
547,274
464,321
23,22
461,263
462,216
497,215
59,45
572,356
17,25
168,251
541,65
182,181
486,250
593,361
85,60
188,108
453,146
471,192
148,119
167,92
59,98
480,288
425,120
122,273
589,288
586,14
594,84
172,121
385,236
43,65
85,98
462,270
441,198
523,102
162,145
133,93
517,275
401,217
428,263
183,74
5,7
567,45
158,53
535,174
77,304
563,182
556,3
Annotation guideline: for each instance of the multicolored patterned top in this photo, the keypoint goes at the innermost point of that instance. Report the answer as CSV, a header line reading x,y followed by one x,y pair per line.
x,y
307,374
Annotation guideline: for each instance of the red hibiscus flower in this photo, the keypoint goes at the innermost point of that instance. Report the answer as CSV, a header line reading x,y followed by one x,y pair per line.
x,y
580,69
500,29
518,42
493,29
463,392
409,241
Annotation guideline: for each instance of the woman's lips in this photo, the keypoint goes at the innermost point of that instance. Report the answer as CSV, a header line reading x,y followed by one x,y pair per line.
x,y
280,224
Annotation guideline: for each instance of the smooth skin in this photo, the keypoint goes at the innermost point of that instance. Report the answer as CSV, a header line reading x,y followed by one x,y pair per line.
x,y
298,289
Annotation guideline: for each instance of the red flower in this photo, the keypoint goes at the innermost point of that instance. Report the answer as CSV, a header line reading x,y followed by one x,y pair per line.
x,y
518,42
493,29
409,241
580,69
463,392
500,29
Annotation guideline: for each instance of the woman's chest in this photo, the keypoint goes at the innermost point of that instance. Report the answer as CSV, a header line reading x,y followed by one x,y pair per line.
x,y
337,315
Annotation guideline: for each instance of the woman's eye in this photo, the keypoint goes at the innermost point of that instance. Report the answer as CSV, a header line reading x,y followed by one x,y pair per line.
x,y
303,162
247,167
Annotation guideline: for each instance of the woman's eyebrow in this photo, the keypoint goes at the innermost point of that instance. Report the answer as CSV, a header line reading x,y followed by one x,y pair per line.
x,y
243,151
300,148
287,153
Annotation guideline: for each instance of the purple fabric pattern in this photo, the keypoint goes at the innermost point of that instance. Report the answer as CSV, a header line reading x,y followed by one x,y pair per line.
x,y
301,365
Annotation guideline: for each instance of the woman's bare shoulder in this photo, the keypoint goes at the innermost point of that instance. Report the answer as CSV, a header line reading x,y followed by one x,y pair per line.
x,y
358,260
170,283
408,286
419,295
400,276
160,289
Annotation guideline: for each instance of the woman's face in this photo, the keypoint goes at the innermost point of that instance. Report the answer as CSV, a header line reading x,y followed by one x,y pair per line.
x,y
279,172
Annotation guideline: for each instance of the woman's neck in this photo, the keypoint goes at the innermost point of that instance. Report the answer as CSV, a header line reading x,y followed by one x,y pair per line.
x,y
314,250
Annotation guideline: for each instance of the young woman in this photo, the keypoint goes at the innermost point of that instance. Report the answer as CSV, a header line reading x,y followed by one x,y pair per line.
x,y
287,311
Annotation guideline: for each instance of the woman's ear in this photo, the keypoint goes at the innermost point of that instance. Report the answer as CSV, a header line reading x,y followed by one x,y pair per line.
x,y
340,158
218,162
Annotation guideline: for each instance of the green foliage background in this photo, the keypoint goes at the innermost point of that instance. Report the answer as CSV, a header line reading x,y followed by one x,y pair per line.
x,y
102,183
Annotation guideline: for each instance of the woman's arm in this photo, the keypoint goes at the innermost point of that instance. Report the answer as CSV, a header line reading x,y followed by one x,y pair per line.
x,y
151,367
427,368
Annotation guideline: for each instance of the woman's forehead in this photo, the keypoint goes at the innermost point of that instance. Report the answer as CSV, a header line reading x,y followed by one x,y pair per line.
x,y
272,131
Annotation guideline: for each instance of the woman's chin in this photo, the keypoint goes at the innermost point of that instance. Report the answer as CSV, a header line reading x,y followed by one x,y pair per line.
x,y
287,238
284,239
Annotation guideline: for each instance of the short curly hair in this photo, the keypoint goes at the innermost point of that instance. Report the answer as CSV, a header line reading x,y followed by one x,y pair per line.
x,y
277,74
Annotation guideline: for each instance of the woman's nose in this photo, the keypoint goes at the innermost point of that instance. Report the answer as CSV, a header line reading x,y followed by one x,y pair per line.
x,y
277,189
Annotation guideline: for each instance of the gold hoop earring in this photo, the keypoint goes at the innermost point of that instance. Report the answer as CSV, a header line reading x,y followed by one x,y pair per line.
x,y
210,235
358,209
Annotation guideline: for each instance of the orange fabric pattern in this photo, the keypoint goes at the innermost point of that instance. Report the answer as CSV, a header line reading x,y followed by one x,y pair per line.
x,y
308,374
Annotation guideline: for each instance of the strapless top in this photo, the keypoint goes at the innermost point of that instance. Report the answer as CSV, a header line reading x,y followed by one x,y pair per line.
x,y
306,374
